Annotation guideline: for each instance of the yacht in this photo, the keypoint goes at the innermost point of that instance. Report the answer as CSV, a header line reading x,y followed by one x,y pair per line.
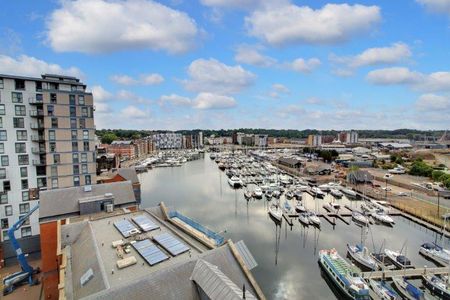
x,y
360,218
299,207
362,256
348,192
313,218
332,207
336,193
398,259
317,192
289,194
257,193
235,182
406,289
324,187
382,217
276,212
247,194
298,195
383,290
303,218
437,286
435,253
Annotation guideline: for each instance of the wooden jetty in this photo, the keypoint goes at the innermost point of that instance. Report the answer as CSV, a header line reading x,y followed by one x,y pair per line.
x,y
414,273
328,218
287,219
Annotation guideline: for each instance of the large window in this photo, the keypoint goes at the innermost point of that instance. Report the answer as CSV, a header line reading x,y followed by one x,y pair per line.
x,y
4,198
82,123
1,83
2,109
38,86
25,231
73,123
4,223
50,110
54,183
8,210
83,157
24,208
80,99
53,98
54,171
4,160
39,97
52,146
73,111
21,148
56,158
72,99
51,135
1,122
76,181
2,173
85,134
23,171
20,110
24,183
20,84
75,159
18,122
25,195
84,112
85,146
74,146
74,134
87,179
3,135
21,135
2,148
76,169
54,122
6,186
23,160
84,168
17,97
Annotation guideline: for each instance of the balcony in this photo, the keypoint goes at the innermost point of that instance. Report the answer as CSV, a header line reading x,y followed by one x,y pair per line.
x,y
36,113
38,162
37,126
38,138
34,101
37,150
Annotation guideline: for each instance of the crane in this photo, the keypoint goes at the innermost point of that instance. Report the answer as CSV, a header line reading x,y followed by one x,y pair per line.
x,y
11,281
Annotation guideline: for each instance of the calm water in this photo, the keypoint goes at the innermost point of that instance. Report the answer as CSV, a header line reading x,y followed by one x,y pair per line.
x,y
287,257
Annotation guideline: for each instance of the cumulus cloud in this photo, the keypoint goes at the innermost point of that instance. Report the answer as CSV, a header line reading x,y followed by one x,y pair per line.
x,y
213,76
437,81
433,102
100,94
144,79
277,90
99,26
331,24
438,6
133,112
304,66
251,55
175,100
242,4
30,66
131,97
213,101
392,54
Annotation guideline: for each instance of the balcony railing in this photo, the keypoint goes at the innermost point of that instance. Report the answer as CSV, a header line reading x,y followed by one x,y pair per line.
x,y
38,162
37,126
36,113
37,150
34,101
38,138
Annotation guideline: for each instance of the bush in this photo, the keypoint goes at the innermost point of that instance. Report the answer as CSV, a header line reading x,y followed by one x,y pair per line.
x,y
420,168
436,175
447,183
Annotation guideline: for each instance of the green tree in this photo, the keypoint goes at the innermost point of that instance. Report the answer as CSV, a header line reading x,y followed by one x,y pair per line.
x,y
436,174
108,138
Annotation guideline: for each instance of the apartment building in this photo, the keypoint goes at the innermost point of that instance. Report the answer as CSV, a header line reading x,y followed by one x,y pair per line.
x,y
46,142
314,140
348,137
168,140
123,149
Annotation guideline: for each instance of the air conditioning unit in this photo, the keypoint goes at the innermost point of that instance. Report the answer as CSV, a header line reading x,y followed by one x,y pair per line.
x,y
88,188
109,207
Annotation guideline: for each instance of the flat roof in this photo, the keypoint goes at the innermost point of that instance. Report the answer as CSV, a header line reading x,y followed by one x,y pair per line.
x,y
43,79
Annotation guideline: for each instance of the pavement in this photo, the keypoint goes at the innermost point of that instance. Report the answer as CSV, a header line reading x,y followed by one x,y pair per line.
x,y
24,291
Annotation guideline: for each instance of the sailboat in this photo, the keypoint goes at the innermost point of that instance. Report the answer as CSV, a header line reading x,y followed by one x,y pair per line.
x,y
360,254
406,289
399,260
382,290
437,286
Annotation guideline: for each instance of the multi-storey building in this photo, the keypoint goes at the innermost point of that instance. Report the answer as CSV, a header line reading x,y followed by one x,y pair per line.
x,y
261,140
348,137
168,140
314,140
123,149
46,142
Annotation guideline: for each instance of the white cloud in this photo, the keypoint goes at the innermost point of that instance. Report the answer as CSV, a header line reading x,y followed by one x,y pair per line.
x,y
144,79
175,100
133,112
437,81
278,87
304,66
211,75
331,24
438,6
433,102
394,53
30,66
100,94
251,55
99,26
213,101
131,97
242,4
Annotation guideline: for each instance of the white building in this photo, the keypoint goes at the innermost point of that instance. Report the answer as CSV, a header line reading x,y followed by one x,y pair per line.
x,y
168,140
261,140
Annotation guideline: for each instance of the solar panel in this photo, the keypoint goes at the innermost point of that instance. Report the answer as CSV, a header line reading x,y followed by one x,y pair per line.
x,y
126,228
150,252
145,223
171,244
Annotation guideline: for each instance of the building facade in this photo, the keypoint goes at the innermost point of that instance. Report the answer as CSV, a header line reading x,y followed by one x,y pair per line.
x,y
123,149
348,137
168,140
261,140
47,139
314,140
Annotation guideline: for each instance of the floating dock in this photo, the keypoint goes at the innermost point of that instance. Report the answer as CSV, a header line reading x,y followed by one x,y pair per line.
x,y
414,273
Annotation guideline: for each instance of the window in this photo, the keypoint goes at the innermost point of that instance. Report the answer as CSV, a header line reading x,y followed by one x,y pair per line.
x,y
41,182
27,221
5,223
73,111
24,184
3,135
21,135
5,160
85,134
2,173
83,157
25,195
85,146
21,148
74,146
23,160
54,122
53,86
72,99
38,86
23,171
5,235
54,183
1,83
76,169
82,123
84,112
20,110
17,97
2,109
52,146
24,208
87,179
74,134
76,181
25,231
6,186
53,98
73,123
80,99
20,84
1,122
75,158
8,210
39,97
3,198
19,122
54,171
56,159
73,88
2,148
51,135
84,168
50,110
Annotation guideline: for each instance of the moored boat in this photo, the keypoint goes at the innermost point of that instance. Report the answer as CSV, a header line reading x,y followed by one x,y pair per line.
x,y
398,259
257,193
406,289
361,255
235,182
313,218
336,193
360,218
437,286
303,218
276,212
435,253
383,291
332,207
317,192
299,207
247,194
382,217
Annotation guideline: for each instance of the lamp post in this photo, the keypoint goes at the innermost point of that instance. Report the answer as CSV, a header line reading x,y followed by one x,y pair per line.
x,y
438,194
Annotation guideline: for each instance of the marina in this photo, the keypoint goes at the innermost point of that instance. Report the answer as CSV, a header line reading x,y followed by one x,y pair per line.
x,y
287,252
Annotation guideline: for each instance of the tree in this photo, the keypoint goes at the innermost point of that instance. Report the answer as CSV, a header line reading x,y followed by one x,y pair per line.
x,y
420,168
436,174
108,138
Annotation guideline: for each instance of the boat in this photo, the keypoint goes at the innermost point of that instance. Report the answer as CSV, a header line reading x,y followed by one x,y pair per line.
x,y
343,275
247,194
257,193
435,253
287,207
299,207
324,187
317,192
336,193
289,195
313,218
302,187
276,193
212,156
235,182
269,194
348,192
304,218
276,212
366,207
382,217
437,286
398,259
406,289
221,166
361,255
298,195
360,218
332,207
383,291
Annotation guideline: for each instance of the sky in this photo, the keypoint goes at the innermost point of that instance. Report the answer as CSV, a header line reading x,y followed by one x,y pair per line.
x,y
212,64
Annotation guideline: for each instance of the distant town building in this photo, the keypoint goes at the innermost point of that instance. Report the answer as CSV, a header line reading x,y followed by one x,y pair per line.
x,y
106,161
327,139
168,140
348,137
123,149
144,146
314,140
261,140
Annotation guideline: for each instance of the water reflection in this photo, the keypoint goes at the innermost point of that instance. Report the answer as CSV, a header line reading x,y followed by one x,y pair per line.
x,y
199,190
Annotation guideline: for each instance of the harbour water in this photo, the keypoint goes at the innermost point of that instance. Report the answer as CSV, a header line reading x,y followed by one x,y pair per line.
x,y
287,257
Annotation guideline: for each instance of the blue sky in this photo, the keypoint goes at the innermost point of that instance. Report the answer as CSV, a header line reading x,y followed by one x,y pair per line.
x,y
179,64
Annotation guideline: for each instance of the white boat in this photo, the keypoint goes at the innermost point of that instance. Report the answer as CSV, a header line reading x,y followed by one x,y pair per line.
x,y
332,207
348,192
324,187
336,193
299,207
382,217
361,255
289,194
437,286
257,193
317,192
247,194
276,193
398,259
313,218
359,218
276,212
235,182
406,289
383,291
435,253
302,187
304,218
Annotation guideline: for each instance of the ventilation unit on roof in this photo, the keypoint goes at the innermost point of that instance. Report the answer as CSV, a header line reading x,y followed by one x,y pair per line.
x,y
108,195
88,188
86,277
